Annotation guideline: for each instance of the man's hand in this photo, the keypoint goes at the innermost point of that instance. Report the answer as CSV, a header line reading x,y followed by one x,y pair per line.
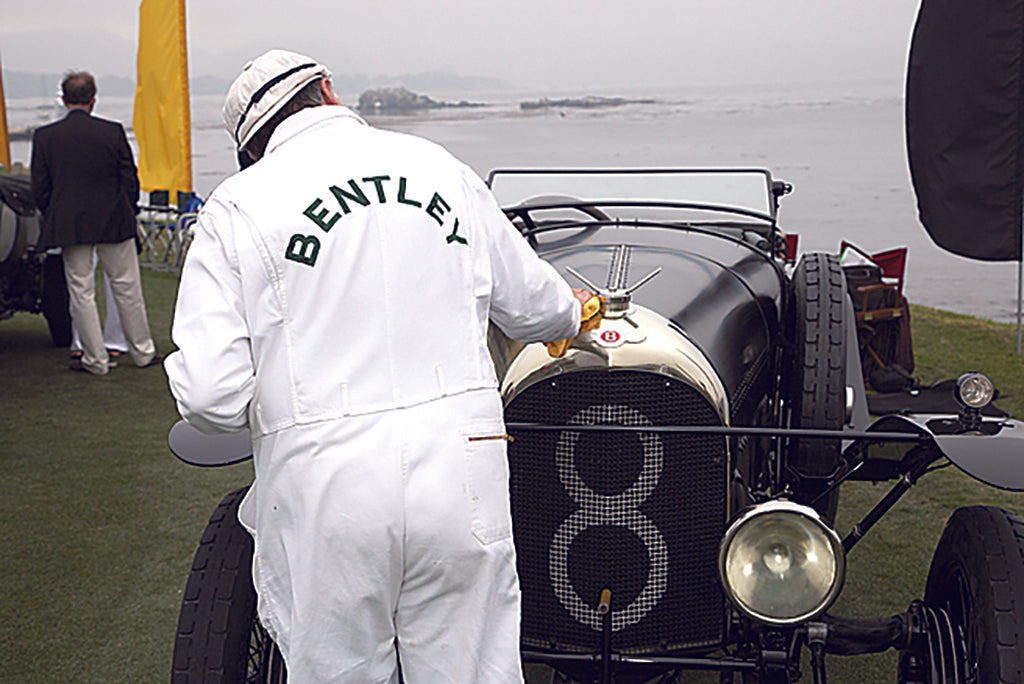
x,y
582,296
591,308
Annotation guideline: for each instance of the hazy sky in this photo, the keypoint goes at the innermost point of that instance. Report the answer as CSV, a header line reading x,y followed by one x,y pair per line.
x,y
531,43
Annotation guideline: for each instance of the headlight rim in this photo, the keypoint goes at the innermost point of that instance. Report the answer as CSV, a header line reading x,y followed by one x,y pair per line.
x,y
788,507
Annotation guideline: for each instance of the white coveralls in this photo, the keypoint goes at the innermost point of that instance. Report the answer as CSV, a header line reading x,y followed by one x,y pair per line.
x,y
335,300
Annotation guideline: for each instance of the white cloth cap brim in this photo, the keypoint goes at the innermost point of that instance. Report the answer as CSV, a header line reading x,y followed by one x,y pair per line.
x,y
265,85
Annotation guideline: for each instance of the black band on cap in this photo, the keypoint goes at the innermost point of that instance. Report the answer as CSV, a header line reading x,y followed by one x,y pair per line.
x,y
258,95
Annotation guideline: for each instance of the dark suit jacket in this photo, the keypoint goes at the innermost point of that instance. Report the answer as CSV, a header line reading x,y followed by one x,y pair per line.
x,y
84,180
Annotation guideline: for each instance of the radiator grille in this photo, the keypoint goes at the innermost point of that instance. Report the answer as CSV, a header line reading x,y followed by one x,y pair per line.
x,y
639,513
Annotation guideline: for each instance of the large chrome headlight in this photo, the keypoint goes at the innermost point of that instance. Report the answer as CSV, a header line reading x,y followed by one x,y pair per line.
x,y
781,564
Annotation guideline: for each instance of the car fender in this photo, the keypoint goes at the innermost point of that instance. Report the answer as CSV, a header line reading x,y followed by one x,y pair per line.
x,y
993,454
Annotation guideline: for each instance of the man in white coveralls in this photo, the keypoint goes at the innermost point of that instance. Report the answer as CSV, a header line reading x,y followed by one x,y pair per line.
x,y
335,301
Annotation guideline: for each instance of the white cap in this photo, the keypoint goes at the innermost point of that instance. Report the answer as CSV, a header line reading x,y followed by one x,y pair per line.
x,y
263,87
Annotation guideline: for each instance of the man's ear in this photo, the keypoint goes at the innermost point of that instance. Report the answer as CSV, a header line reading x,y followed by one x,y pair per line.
x,y
327,92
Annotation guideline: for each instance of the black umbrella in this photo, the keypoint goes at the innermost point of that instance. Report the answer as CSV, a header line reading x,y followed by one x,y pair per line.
x,y
965,127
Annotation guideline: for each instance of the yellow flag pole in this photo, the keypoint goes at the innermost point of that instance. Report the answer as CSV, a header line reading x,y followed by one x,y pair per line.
x,y
162,118
5,134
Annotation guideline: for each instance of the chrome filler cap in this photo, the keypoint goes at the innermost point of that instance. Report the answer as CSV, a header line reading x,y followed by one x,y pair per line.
x,y
617,295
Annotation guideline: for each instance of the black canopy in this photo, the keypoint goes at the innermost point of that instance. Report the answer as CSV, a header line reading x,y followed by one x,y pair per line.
x,y
965,125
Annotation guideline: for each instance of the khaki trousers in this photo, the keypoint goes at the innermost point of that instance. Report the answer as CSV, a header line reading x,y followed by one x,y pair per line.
x,y
121,263
113,335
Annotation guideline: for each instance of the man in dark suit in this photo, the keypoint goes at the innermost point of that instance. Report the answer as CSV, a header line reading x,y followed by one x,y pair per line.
x,y
85,182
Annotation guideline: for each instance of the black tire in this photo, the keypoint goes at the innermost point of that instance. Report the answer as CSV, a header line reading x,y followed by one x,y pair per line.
x,y
220,639
977,578
817,384
54,300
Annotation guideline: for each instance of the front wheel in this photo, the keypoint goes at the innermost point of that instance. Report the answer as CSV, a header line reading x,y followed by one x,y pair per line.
x,y
219,637
977,580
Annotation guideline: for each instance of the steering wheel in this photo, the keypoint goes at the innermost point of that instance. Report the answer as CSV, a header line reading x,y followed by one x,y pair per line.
x,y
560,202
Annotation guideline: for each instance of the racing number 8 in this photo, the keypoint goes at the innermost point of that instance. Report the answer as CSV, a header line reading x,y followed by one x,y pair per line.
x,y
620,510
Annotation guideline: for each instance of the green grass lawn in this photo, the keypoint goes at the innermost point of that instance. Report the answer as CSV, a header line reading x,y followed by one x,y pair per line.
x,y
100,521
887,570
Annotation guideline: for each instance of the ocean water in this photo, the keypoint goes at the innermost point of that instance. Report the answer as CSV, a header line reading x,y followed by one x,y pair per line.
x,y
841,146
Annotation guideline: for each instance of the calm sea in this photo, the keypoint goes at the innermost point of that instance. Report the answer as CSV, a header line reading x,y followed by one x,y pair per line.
x,y
840,145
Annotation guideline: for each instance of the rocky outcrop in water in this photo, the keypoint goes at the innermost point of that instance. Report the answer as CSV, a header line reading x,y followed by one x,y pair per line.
x,y
21,133
386,100
585,102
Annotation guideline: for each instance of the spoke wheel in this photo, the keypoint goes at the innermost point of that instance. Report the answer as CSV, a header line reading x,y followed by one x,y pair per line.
x,y
976,581
220,638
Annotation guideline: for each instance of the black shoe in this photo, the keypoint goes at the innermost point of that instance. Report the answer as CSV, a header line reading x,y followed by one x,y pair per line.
x,y
155,361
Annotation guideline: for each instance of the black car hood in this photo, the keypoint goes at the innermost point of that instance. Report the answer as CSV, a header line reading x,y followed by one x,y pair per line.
x,y
723,294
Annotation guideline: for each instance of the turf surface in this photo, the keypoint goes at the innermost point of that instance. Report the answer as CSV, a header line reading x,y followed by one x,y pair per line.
x,y
100,521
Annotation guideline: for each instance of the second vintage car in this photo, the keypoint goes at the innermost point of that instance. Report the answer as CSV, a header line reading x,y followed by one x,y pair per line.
x,y
30,280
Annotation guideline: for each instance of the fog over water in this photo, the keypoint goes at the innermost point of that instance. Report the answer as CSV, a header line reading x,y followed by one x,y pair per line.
x,y
841,145
525,43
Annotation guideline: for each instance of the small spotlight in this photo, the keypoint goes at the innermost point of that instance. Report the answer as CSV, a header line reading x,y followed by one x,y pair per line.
x,y
974,391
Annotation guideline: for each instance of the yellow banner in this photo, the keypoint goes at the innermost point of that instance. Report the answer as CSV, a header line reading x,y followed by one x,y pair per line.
x,y
163,121
5,136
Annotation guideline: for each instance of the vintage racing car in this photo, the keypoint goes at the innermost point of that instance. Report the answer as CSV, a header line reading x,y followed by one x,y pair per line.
x,y
675,475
